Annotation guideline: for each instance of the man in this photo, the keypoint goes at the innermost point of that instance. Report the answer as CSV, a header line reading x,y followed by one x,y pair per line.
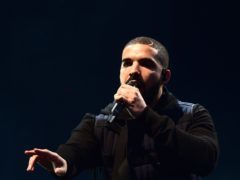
x,y
154,136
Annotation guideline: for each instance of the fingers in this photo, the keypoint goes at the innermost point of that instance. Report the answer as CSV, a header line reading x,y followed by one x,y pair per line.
x,y
126,90
31,162
60,171
132,97
46,154
43,152
49,160
129,100
38,155
40,152
127,94
30,152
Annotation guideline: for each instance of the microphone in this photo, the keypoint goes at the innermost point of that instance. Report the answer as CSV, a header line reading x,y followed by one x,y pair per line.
x,y
118,107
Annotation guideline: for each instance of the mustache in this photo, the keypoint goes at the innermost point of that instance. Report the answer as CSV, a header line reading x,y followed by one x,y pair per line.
x,y
135,80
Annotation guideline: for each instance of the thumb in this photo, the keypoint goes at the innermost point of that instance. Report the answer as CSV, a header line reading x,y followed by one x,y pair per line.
x,y
60,170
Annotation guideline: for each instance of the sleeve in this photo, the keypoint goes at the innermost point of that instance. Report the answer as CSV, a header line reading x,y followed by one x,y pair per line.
x,y
193,149
81,151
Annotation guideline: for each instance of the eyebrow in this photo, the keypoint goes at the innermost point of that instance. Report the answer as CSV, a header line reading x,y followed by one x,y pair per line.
x,y
148,62
147,59
126,59
142,59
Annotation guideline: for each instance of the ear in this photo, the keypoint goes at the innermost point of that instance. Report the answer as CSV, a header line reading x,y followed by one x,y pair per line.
x,y
167,76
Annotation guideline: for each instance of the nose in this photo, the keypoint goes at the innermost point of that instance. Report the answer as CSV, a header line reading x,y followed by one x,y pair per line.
x,y
135,68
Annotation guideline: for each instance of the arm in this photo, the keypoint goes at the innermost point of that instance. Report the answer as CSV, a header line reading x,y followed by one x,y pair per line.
x,y
81,151
194,149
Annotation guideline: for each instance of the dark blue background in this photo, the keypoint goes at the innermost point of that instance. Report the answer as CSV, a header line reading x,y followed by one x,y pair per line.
x,y
60,59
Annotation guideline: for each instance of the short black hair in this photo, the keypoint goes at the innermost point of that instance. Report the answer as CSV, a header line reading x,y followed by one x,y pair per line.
x,y
162,55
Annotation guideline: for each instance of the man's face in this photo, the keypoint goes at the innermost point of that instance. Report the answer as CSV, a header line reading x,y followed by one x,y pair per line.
x,y
140,59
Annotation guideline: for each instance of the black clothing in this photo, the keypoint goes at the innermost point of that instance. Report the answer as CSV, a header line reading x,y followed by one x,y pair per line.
x,y
163,143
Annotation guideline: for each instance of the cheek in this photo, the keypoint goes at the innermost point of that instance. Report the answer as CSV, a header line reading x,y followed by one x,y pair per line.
x,y
123,75
151,78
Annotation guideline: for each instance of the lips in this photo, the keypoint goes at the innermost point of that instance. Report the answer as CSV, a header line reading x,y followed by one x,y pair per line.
x,y
136,83
136,80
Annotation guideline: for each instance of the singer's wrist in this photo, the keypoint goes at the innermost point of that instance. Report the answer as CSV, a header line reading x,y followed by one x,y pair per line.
x,y
139,113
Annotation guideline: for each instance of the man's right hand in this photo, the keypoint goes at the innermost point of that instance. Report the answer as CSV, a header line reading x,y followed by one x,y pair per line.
x,y
49,160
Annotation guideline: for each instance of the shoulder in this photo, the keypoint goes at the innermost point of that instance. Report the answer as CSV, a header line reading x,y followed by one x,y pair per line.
x,y
87,121
186,107
195,109
190,107
197,112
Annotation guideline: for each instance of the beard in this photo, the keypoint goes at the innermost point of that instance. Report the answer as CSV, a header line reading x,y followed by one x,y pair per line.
x,y
150,95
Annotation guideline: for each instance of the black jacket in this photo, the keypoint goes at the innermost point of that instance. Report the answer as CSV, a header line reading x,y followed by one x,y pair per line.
x,y
164,143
